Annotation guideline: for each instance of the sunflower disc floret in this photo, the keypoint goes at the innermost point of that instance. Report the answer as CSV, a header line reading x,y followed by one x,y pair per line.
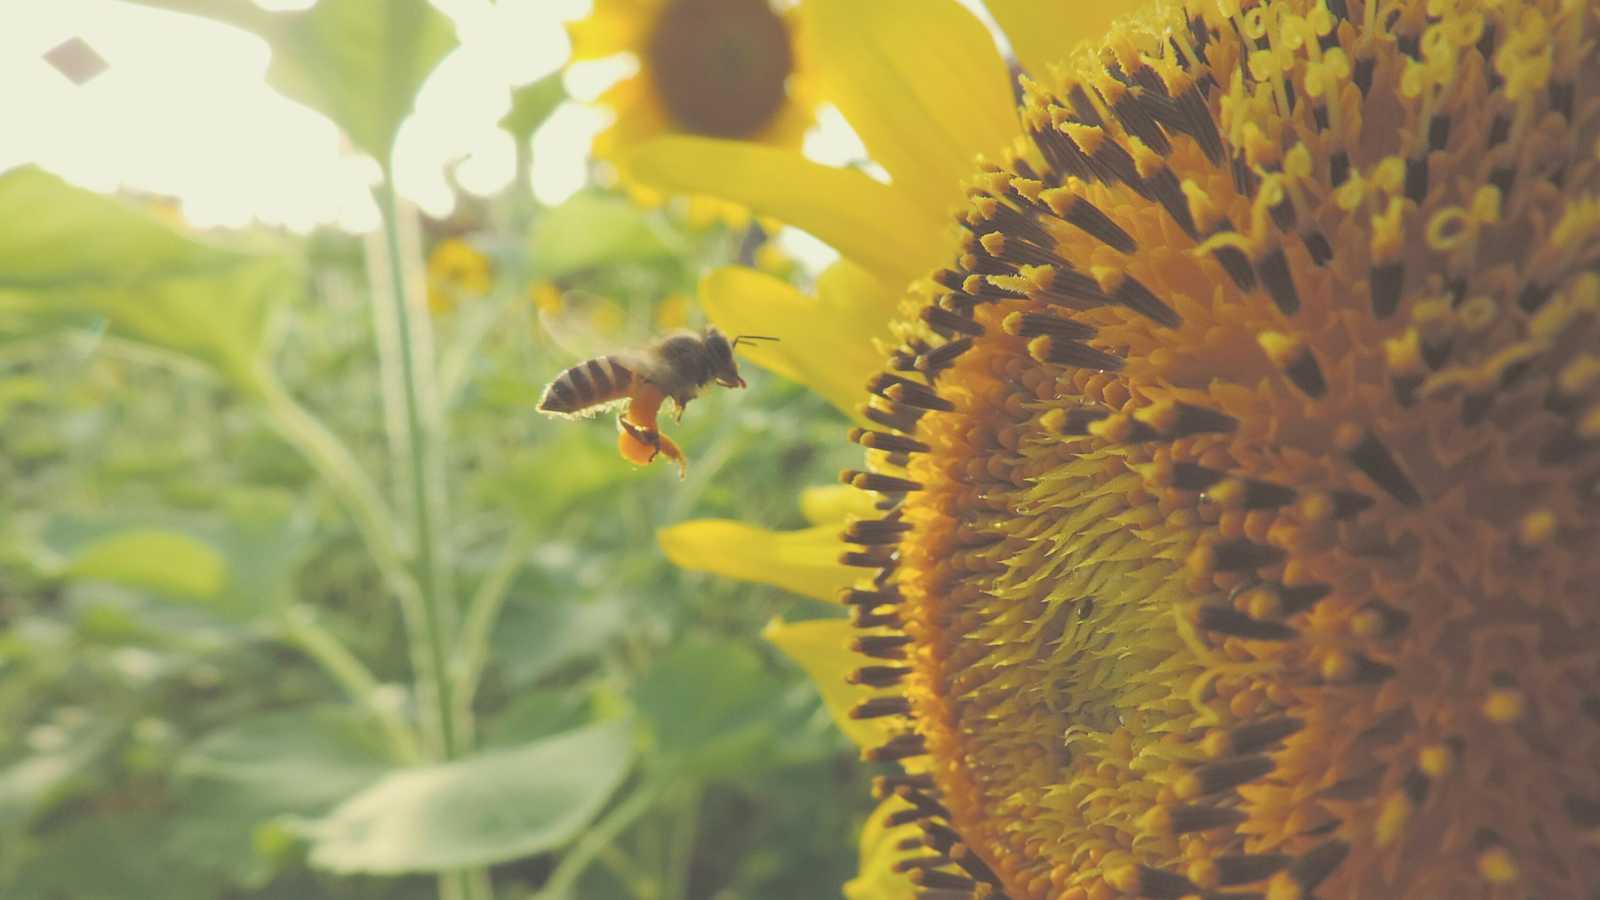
x,y
1240,479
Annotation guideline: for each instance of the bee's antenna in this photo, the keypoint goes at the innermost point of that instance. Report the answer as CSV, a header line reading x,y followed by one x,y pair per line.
x,y
752,337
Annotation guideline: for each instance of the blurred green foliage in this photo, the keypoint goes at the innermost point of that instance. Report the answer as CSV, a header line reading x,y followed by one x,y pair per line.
x,y
221,652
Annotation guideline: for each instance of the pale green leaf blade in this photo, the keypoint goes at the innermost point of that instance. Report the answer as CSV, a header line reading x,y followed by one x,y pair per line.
x,y
29,784
535,638
591,230
113,855
239,561
485,809
65,251
232,784
531,104
167,561
709,707
300,760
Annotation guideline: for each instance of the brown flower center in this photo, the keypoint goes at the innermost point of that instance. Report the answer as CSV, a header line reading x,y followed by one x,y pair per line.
x,y
720,66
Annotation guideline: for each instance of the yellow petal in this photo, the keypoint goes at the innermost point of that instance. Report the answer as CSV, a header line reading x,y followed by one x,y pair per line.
x,y
805,562
826,342
639,117
614,26
921,82
877,226
702,211
822,648
831,504
1042,33
879,852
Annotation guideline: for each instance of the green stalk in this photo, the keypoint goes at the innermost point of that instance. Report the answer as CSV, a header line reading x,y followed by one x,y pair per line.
x,y
323,646
684,837
477,627
337,467
599,836
628,872
339,470
434,679
455,362
433,629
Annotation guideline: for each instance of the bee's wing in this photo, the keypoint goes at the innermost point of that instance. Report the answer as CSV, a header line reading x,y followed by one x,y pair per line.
x,y
645,363
587,325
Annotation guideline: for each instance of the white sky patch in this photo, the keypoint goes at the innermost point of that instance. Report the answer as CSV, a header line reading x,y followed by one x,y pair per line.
x,y
184,111
588,79
489,166
523,38
561,151
831,141
810,252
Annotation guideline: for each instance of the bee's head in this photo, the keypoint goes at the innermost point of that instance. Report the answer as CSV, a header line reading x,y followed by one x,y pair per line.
x,y
723,366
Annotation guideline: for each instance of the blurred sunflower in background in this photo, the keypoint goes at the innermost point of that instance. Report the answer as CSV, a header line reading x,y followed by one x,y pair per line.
x,y
715,68
457,271
1231,482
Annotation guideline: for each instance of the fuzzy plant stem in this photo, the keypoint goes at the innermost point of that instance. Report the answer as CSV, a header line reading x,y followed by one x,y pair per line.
x,y
433,630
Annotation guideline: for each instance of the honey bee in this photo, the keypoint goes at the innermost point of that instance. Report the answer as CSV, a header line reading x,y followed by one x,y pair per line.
x,y
676,367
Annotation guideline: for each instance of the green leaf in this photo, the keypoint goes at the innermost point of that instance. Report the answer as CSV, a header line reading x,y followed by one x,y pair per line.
x,y
529,715
711,707
65,252
585,457
110,857
299,761
237,779
241,561
485,809
167,561
360,62
31,783
591,230
18,391
531,104
538,636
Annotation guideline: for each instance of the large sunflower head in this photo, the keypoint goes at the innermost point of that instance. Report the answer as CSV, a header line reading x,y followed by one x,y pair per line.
x,y
1235,473
715,68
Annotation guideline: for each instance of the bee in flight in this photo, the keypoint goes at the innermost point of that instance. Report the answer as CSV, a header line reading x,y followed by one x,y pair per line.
x,y
676,367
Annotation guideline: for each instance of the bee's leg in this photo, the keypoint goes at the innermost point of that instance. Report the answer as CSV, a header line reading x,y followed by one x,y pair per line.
x,y
671,451
678,406
637,444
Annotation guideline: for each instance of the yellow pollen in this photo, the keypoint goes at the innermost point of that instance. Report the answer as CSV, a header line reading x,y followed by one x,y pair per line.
x,y
1393,817
1435,760
1504,706
1536,528
1496,866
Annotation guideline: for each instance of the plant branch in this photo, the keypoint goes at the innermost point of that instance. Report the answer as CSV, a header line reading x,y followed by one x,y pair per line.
x,y
323,646
472,648
338,469
683,843
599,836
435,622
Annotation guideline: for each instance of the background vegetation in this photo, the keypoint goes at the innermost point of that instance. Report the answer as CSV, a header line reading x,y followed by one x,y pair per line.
x,y
301,598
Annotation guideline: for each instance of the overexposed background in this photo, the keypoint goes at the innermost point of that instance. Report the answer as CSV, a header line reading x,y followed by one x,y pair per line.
x,y
183,111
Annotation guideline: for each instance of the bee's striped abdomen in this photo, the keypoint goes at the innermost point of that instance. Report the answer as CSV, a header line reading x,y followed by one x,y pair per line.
x,y
601,380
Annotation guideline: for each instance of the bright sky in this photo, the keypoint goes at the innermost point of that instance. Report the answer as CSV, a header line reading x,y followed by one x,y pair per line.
x,y
184,111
